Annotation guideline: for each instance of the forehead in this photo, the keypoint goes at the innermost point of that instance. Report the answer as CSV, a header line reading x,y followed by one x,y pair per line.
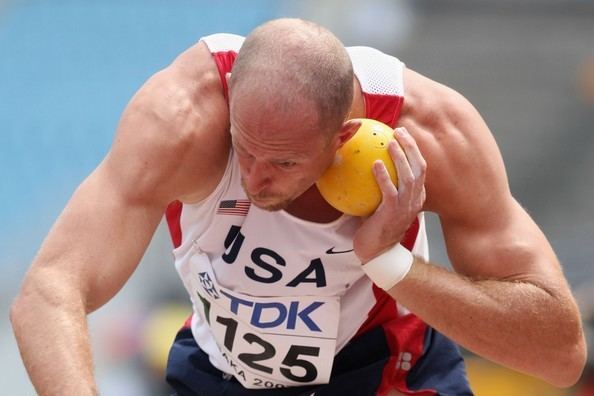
x,y
264,129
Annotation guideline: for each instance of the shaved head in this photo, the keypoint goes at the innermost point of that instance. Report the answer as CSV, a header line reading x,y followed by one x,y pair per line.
x,y
290,66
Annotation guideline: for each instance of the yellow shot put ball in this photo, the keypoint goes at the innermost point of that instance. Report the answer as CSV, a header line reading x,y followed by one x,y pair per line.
x,y
349,184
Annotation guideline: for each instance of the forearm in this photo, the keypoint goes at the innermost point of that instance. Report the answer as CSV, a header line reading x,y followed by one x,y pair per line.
x,y
49,322
517,324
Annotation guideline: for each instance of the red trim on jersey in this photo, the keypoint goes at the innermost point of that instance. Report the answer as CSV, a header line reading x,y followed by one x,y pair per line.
x,y
173,215
403,333
406,338
385,308
384,108
188,322
224,61
383,311
410,237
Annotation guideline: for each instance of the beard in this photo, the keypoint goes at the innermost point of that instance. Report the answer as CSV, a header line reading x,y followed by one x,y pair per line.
x,y
273,206
267,201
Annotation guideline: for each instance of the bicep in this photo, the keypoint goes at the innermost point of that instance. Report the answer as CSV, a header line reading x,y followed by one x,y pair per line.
x,y
97,241
487,233
511,247
171,143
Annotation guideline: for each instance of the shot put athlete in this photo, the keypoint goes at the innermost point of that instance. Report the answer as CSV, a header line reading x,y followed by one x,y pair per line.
x,y
289,295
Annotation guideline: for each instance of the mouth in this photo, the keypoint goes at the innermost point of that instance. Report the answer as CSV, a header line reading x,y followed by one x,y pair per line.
x,y
269,203
261,197
259,202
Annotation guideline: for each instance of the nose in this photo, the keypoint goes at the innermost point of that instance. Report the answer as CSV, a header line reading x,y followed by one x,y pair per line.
x,y
257,177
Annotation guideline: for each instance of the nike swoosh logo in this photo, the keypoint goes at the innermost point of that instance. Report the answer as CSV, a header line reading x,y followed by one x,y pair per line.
x,y
332,251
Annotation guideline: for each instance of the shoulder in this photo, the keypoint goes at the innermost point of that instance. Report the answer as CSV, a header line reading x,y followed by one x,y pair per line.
x,y
223,42
377,72
465,170
172,141
379,79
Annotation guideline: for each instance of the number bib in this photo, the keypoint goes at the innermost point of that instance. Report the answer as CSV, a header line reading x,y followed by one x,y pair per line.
x,y
269,342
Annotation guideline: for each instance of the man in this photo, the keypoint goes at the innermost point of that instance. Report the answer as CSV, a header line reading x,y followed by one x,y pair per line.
x,y
232,144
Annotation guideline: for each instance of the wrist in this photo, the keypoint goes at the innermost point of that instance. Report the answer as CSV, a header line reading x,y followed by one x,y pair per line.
x,y
390,267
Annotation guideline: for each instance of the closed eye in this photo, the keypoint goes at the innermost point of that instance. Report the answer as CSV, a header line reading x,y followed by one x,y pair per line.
x,y
285,164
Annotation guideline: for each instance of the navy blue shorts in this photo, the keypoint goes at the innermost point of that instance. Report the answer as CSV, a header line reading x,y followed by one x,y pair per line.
x,y
365,366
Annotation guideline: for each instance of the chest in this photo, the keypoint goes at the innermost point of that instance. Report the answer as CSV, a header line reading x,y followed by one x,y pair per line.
x,y
275,254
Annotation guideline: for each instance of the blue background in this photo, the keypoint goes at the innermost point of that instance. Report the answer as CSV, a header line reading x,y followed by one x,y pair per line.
x,y
68,68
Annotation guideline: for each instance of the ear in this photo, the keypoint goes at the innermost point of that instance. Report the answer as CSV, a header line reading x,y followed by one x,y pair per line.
x,y
348,129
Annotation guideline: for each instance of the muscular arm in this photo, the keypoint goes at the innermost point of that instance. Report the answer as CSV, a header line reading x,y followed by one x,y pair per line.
x,y
170,145
508,300
90,252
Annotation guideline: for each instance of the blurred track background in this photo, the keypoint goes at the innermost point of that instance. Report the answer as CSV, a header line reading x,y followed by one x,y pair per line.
x,y
68,68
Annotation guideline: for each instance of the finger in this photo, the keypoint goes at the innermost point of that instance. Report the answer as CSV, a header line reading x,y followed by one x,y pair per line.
x,y
405,174
416,163
411,149
384,181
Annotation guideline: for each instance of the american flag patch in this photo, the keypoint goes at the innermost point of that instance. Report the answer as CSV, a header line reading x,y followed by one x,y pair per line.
x,y
235,207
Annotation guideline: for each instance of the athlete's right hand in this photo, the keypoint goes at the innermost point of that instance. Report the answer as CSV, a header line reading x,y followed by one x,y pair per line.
x,y
400,204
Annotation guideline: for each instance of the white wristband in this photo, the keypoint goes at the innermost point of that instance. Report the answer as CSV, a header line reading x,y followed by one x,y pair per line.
x,y
390,267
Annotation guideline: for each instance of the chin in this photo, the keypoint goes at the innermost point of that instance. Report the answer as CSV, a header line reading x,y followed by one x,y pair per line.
x,y
271,206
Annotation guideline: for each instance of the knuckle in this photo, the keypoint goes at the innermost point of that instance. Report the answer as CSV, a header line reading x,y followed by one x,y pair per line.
x,y
423,165
405,142
422,198
408,180
398,153
384,180
391,194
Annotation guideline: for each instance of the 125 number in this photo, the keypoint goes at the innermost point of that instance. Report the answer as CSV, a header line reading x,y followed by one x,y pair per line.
x,y
292,359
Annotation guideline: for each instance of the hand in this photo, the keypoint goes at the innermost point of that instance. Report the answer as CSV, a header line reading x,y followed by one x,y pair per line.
x,y
400,204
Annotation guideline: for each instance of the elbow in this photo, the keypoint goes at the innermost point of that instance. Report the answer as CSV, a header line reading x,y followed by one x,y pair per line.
x,y
573,367
14,312
569,363
18,311
40,296
558,350
24,303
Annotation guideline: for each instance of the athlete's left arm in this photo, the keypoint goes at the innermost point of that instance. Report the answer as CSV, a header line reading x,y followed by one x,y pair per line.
x,y
508,300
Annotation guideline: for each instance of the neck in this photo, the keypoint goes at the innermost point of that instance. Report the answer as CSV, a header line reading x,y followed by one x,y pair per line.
x,y
311,206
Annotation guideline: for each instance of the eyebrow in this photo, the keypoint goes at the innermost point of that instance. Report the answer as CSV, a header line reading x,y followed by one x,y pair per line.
x,y
291,157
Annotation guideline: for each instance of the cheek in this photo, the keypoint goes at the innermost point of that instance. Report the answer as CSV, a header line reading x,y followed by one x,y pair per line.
x,y
243,170
244,162
324,164
290,181
312,173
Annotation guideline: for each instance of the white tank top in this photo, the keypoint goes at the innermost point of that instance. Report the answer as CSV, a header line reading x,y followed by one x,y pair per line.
x,y
275,297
